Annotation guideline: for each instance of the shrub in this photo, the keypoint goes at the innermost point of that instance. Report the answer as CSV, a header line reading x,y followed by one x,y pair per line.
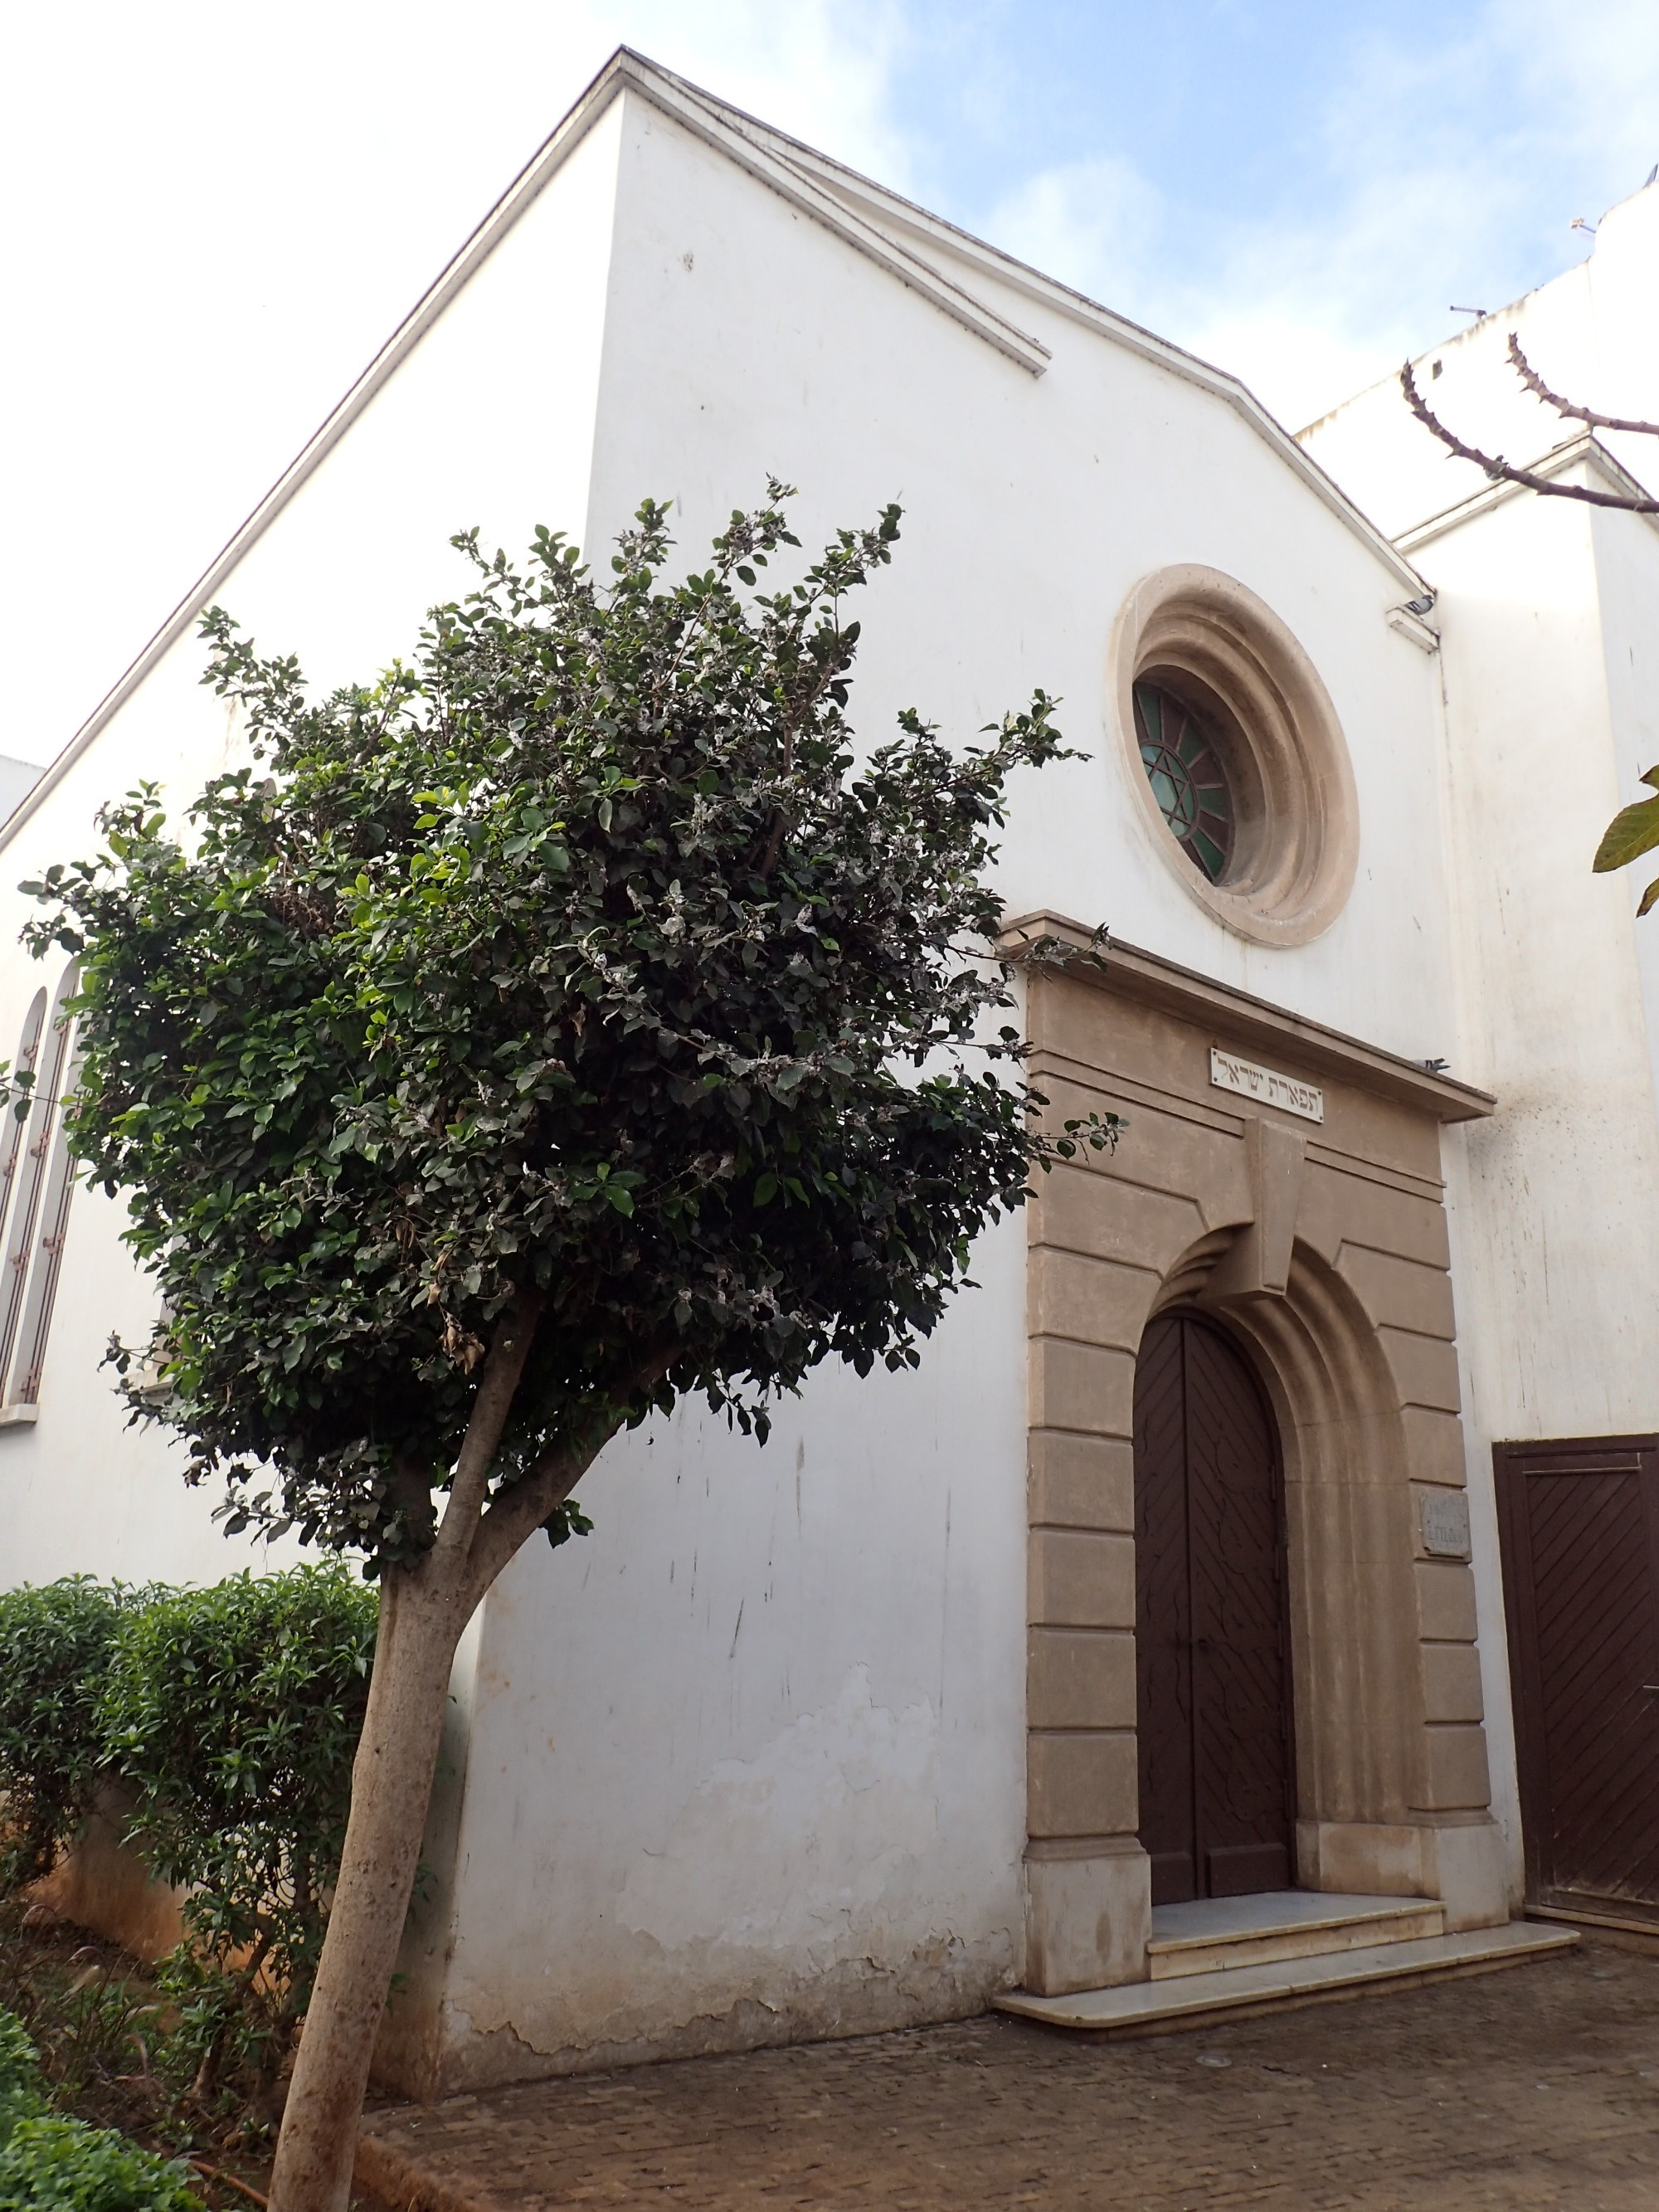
x,y
54,1650
234,1712
232,1715
19,2076
51,2165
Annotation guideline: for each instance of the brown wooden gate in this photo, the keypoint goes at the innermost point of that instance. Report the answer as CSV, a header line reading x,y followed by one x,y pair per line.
x,y
1212,1672
1579,1524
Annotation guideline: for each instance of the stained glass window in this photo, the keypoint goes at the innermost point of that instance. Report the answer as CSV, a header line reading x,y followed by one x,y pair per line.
x,y
1187,778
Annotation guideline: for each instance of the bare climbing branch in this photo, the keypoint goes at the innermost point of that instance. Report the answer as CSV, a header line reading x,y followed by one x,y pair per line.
x,y
1503,471
1535,383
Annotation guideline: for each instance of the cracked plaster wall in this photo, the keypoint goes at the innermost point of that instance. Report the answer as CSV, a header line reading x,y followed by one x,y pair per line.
x,y
747,1762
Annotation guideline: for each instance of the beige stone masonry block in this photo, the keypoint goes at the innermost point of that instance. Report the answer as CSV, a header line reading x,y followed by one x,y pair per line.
x,y
1400,1293
1380,1130
1468,1872
1145,1045
1088,1920
1082,1482
1080,1024
1451,1682
1096,1301
1434,1447
1170,1152
1339,1209
1093,1211
1425,1368
1079,1678
1081,1386
1445,1601
1456,1759
1361,1859
1079,1579
1082,1786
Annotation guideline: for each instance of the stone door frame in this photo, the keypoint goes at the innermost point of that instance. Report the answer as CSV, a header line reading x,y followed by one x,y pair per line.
x,y
1323,1243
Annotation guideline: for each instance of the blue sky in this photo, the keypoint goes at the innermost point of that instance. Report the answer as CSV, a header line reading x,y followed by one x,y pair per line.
x,y
213,215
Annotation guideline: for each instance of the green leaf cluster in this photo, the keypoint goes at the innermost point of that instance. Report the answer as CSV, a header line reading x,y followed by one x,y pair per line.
x,y
55,1645
581,955
53,2165
1632,832
22,2095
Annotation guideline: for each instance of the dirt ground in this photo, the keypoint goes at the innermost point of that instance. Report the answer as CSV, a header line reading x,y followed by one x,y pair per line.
x,y
1536,2087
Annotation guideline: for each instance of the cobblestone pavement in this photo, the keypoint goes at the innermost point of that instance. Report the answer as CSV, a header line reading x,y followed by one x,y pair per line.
x,y
1538,2087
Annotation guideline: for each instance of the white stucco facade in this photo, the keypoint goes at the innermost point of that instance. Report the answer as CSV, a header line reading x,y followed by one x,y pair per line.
x,y
750,1761
1548,614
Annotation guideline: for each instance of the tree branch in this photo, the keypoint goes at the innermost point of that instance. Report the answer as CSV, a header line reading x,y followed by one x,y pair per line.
x,y
503,1368
1535,383
1503,471
513,1515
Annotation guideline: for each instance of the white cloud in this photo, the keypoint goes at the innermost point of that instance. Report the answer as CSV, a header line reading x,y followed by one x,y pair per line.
x,y
1088,223
1438,167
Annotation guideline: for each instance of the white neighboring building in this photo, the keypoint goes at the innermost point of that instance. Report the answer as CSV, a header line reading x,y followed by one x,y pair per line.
x,y
1174,1572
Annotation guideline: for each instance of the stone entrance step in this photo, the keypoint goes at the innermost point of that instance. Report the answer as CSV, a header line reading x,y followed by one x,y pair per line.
x,y
1215,1933
1196,2000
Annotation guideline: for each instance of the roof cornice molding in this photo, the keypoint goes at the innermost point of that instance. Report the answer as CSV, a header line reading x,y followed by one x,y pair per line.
x,y
1108,965
1584,450
892,209
745,143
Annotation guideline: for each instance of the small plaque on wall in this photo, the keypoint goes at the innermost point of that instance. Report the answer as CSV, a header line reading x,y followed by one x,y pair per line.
x,y
1228,1072
1445,1523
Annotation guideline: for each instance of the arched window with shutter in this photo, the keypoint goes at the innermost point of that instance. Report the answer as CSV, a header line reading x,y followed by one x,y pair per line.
x,y
11,1129
41,1177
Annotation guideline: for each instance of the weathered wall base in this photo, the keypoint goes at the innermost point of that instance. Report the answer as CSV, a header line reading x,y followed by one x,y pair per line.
x,y
106,1887
1458,1857
948,1981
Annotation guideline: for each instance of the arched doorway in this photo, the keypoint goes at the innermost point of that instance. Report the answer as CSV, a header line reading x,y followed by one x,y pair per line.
x,y
1212,1664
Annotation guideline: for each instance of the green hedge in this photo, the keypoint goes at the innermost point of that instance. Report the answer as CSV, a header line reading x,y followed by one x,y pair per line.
x,y
230,1715
55,1645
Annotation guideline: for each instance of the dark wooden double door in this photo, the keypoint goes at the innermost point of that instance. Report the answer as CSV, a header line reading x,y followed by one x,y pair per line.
x,y
1212,1658
1579,1522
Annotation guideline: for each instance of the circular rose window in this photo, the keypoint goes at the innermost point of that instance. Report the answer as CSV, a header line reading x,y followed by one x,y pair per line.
x,y
1188,778
1234,755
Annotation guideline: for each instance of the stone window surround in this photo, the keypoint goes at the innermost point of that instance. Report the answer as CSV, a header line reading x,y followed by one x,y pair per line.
x,y
1323,1250
1205,636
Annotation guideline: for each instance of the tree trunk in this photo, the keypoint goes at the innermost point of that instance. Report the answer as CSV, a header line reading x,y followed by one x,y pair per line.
x,y
420,1624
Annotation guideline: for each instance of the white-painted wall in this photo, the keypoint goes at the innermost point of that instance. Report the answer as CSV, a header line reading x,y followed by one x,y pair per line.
x,y
1549,613
1592,334
1556,1198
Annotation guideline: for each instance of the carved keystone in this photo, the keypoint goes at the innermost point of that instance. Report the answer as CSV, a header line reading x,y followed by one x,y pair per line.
x,y
1259,1258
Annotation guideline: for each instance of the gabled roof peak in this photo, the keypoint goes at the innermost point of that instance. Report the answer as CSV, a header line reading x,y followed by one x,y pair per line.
x,y
882,224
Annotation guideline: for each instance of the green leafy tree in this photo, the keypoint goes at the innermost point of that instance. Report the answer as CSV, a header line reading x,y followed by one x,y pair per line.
x,y
565,1021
